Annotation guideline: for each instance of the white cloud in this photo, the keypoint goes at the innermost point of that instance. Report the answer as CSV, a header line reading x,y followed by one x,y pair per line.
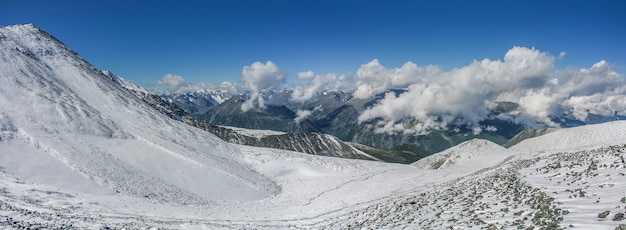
x,y
318,83
257,77
306,75
178,84
173,81
303,114
491,128
598,90
464,96
231,87
373,78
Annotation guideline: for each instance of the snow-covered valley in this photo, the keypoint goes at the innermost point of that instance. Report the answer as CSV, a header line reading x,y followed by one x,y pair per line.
x,y
78,150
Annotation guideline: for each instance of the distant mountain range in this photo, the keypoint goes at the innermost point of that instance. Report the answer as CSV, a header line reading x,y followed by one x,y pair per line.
x,y
299,139
336,113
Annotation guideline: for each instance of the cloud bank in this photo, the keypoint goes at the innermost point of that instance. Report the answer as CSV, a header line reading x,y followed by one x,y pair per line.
x,y
435,99
257,77
465,96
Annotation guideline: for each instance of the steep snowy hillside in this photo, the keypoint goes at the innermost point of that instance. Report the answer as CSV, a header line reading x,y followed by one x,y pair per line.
x,y
79,150
57,106
470,155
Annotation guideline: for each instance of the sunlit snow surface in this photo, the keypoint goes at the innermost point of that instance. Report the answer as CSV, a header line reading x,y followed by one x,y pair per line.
x,y
79,150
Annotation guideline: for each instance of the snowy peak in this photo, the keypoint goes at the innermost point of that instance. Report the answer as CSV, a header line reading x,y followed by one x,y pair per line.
x,y
32,62
472,154
36,43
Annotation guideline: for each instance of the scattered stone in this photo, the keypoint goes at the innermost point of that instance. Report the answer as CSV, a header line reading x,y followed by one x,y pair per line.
x,y
618,217
603,214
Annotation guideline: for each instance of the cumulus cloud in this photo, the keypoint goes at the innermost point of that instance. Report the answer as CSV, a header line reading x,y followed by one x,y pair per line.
x,y
303,114
598,90
317,84
306,75
373,78
231,87
178,84
257,77
436,99
173,81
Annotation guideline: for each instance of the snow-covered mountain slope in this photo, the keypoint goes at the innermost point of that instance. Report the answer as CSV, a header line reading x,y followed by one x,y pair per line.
x,y
56,103
470,155
588,136
78,150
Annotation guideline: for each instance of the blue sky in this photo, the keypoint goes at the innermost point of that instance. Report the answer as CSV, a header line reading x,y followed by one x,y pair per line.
x,y
211,41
